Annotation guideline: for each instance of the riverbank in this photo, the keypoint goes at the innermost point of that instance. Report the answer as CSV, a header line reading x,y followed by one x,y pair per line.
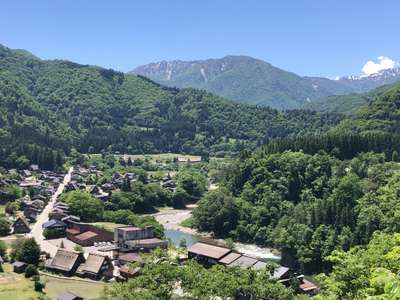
x,y
172,219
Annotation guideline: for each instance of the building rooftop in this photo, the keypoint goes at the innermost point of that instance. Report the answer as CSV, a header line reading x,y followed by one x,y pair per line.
x,y
93,263
64,260
129,228
211,251
86,235
226,260
131,257
279,272
244,262
260,265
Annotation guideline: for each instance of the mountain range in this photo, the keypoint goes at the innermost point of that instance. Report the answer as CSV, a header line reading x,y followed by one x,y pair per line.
x,y
59,104
249,80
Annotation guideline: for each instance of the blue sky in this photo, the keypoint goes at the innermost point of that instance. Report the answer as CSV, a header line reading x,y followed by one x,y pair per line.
x,y
308,37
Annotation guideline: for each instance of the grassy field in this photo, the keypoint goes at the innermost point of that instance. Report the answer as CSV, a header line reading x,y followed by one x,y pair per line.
x,y
88,290
107,225
16,287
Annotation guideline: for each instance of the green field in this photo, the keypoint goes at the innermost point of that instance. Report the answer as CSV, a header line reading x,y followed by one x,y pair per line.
x,y
107,225
16,287
88,290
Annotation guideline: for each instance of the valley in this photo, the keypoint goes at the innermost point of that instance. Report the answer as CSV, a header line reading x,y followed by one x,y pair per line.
x,y
116,181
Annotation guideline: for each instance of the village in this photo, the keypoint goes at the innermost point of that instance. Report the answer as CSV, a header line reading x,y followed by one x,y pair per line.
x,y
72,248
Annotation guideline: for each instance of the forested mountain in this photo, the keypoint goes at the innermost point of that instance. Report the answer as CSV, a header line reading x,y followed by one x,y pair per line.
x,y
346,104
60,104
249,80
244,79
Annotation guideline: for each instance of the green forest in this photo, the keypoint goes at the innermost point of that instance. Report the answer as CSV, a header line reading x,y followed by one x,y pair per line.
x,y
48,107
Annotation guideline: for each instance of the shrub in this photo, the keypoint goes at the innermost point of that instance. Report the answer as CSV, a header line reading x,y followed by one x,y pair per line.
x,y
39,286
30,271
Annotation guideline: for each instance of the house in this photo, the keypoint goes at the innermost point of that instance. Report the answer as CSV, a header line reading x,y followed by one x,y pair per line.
x,y
130,238
127,258
94,189
107,187
19,267
244,262
230,258
126,233
260,265
62,206
69,296
87,234
169,184
87,238
21,225
31,213
71,186
96,266
26,173
127,272
38,203
57,213
207,254
282,273
34,168
71,218
307,287
65,261
57,225
145,244
192,159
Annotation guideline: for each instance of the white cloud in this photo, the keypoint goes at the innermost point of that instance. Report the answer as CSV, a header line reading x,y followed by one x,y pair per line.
x,y
383,63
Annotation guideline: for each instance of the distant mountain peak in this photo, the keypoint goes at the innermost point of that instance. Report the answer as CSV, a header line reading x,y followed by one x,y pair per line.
x,y
250,80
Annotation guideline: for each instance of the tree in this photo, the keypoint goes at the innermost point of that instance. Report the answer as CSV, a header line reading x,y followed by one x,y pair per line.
x,y
11,207
78,248
395,156
51,234
179,198
3,249
217,212
193,182
31,271
26,250
82,204
39,286
4,227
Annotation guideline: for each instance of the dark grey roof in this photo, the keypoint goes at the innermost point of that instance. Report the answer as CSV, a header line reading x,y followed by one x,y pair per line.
x,y
54,223
279,272
18,264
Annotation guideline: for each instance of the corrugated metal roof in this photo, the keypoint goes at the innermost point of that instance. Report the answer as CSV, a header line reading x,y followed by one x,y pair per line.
x,y
209,250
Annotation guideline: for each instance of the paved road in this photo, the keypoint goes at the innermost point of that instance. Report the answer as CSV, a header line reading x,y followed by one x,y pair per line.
x,y
37,230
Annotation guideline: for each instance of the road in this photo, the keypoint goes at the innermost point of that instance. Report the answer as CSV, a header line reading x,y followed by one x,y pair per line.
x,y
37,230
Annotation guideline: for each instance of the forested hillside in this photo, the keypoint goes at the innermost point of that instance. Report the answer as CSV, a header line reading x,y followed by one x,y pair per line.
x,y
60,104
346,104
304,205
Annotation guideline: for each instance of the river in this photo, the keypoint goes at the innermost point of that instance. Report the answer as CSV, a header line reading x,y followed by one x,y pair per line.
x,y
172,218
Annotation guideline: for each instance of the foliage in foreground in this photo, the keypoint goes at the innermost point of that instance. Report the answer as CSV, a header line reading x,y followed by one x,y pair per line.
x,y
369,272
162,279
